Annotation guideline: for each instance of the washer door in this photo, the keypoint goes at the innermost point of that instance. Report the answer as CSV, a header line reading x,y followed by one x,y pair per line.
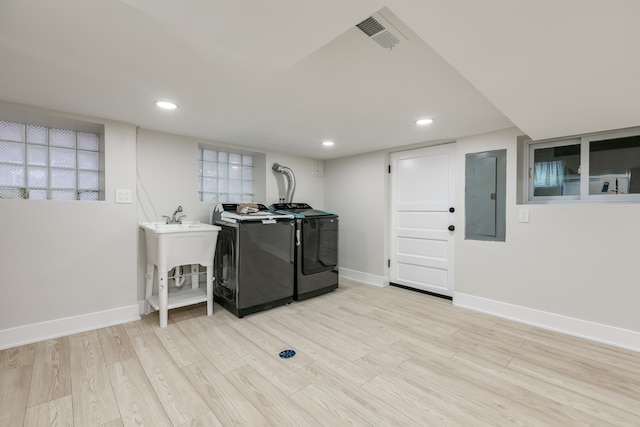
x,y
319,244
224,265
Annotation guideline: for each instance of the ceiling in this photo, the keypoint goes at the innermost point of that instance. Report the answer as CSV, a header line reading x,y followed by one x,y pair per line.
x,y
284,75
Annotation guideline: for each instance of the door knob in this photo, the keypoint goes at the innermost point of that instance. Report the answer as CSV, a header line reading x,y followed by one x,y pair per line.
x,y
452,227
452,209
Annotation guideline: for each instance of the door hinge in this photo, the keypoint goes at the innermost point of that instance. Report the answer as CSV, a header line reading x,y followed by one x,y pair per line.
x,y
389,168
388,263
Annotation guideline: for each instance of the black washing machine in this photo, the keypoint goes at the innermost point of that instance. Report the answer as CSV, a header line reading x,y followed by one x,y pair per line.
x,y
254,259
316,249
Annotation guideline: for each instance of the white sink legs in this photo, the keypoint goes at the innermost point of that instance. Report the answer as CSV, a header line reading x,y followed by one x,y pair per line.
x,y
163,302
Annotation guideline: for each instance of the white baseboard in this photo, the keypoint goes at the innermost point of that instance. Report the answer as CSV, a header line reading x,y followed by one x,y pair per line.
x,y
612,335
369,279
35,332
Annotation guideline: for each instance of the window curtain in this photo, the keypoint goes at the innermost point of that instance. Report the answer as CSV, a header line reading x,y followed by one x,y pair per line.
x,y
548,174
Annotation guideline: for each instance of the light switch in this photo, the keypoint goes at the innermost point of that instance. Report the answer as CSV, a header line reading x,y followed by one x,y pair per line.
x,y
523,215
123,195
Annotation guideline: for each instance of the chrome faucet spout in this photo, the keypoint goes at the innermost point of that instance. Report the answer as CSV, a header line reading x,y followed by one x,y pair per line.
x,y
173,219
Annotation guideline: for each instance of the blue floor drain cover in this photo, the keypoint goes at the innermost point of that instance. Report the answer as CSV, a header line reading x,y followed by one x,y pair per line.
x,y
285,354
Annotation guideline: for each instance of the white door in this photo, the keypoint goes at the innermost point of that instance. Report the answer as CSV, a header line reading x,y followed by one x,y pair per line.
x,y
422,221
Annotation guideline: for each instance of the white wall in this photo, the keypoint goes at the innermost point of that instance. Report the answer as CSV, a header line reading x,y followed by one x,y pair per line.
x,y
70,265
573,267
356,189
309,189
168,176
573,259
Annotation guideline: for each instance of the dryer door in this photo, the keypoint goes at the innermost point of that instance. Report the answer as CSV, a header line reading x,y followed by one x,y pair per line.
x,y
319,244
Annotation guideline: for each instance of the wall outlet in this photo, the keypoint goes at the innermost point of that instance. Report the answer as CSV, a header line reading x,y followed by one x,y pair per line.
x,y
123,195
318,168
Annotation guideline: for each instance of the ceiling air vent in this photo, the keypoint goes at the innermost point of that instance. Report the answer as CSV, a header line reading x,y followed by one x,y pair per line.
x,y
381,31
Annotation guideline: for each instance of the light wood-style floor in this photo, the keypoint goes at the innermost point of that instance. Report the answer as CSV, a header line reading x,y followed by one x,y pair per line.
x,y
365,356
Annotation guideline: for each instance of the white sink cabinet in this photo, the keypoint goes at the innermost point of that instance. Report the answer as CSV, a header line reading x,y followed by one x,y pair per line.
x,y
173,245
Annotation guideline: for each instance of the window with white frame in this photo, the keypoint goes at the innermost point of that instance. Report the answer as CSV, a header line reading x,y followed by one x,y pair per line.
x,y
225,176
599,167
37,162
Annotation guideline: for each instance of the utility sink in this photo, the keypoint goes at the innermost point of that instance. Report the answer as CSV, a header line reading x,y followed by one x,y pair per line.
x,y
173,245
170,245
163,227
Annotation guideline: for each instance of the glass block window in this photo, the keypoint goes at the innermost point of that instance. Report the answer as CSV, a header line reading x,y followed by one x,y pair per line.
x,y
225,176
43,163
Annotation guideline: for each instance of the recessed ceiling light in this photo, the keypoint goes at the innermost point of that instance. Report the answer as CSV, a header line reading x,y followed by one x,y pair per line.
x,y
327,143
423,122
166,105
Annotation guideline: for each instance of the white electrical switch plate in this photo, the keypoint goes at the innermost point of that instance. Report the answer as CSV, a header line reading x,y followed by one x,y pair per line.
x,y
523,215
318,170
123,195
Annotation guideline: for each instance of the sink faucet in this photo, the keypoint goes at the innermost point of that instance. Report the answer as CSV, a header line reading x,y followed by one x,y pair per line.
x,y
173,219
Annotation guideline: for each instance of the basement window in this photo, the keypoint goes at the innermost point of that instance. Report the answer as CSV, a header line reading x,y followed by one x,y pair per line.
x,y
601,167
225,176
49,163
